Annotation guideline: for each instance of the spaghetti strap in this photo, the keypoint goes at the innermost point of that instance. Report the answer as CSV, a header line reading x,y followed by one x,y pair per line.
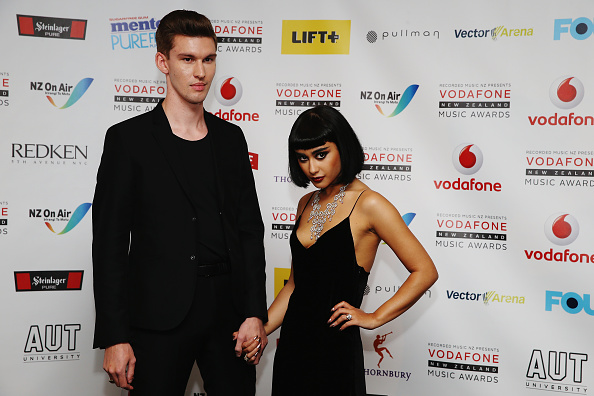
x,y
356,202
305,207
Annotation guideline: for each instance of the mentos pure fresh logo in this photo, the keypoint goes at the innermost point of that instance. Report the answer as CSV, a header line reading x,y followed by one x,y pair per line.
x,y
565,93
61,215
316,37
579,28
130,33
55,90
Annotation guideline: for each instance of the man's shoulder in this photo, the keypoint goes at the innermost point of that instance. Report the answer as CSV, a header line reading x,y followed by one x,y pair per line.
x,y
135,124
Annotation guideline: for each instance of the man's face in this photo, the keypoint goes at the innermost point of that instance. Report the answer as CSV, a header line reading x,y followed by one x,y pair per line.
x,y
190,67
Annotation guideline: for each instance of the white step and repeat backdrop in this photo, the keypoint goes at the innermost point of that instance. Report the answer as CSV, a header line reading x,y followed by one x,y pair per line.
x,y
477,123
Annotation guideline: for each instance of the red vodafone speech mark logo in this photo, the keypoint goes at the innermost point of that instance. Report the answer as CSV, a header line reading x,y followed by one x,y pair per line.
x,y
562,229
228,90
566,92
467,158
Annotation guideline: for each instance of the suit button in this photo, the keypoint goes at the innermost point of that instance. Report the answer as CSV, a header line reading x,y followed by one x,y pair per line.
x,y
194,219
192,257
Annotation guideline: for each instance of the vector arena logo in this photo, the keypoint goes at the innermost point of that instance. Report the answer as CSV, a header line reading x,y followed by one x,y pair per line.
x,y
565,93
561,229
467,159
228,92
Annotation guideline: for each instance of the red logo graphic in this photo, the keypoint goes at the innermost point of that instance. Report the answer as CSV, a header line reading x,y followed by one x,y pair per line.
x,y
562,229
228,91
254,160
467,159
566,92
379,340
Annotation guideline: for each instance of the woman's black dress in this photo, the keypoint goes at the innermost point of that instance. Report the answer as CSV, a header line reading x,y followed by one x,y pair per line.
x,y
311,357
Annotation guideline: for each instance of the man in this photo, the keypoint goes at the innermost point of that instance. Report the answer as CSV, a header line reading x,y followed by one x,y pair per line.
x,y
178,256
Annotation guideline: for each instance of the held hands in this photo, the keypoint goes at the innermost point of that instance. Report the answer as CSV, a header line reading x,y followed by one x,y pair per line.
x,y
119,363
251,340
345,315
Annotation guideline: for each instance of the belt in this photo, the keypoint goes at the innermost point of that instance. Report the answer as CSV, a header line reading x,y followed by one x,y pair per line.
x,y
207,270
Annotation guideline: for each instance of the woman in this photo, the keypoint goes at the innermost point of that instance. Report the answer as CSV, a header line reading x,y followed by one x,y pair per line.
x,y
334,243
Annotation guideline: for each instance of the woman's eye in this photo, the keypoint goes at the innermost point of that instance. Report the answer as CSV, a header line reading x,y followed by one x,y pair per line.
x,y
322,155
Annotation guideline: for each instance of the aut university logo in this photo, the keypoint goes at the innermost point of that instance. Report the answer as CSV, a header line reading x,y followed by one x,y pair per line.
x,y
316,37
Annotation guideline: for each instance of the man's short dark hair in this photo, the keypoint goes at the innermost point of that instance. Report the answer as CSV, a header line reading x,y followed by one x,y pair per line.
x,y
314,128
184,23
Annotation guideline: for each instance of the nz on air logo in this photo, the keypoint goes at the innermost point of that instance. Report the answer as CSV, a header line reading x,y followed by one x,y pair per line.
x,y
390,98
316,37
63,89
61,215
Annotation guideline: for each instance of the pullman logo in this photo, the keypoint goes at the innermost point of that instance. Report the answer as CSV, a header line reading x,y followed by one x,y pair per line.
x,y
47,280
41,26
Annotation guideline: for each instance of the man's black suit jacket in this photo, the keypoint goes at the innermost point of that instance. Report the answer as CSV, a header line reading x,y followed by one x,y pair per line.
x,y
144,227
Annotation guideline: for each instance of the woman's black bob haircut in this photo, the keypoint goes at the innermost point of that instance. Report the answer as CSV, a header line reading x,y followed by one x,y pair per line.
x,y
317,126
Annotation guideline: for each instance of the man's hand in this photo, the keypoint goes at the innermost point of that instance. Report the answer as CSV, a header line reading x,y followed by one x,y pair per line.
x,y
118,363
251,329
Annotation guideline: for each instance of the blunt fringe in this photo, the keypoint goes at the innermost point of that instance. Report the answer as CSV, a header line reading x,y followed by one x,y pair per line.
x,y
317,126
184,23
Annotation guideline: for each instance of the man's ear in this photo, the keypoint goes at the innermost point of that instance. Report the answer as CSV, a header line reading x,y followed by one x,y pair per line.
x,y
161,62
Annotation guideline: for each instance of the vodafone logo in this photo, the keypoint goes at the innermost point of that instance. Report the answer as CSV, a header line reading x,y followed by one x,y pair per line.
x,y
566,92
561,229
467,159
228,90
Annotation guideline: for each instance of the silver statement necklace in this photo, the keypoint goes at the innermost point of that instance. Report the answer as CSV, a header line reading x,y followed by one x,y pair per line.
x,y
319,217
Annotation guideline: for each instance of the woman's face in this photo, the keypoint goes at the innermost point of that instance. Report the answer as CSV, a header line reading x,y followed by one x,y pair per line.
x,y
320,164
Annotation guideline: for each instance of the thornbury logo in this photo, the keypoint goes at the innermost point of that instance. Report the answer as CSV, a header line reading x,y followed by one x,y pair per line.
x,y
57,344
379,349
467,159
40,26
316,37
565,93
557,371
48,280
579,28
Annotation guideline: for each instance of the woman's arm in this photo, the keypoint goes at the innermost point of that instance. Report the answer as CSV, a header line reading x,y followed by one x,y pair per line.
x,y
385,220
